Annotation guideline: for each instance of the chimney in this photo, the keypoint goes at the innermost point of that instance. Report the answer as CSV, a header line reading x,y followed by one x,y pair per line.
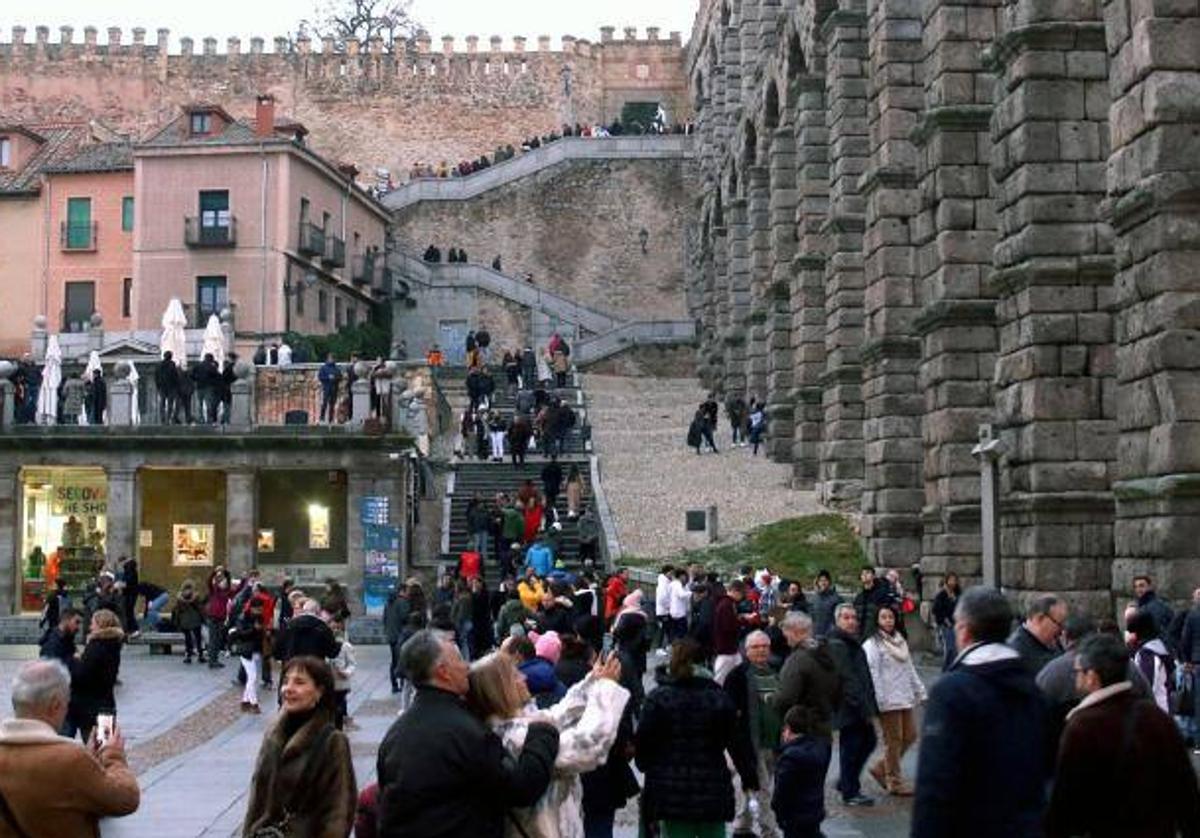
x,y
264,115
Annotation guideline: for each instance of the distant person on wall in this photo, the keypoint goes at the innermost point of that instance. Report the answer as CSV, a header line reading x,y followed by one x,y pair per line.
x,y
329,375
186,388
166,381
95,398
496,264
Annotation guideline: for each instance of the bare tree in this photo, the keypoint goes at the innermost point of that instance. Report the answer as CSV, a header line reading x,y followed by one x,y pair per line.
x,y
390,20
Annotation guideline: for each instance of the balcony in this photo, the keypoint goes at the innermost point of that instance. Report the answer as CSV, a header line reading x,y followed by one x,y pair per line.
x,y
364,270
335,252
312,239
200,233
78,237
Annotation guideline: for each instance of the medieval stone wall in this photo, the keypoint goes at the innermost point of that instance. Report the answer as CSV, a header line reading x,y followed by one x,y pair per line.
x,y
576,227
361,104
919,217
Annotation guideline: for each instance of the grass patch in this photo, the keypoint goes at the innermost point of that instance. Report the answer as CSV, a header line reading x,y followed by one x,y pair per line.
x,y
794,548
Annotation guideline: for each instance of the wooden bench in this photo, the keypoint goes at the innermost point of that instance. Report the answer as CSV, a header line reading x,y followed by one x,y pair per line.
x,y
160,642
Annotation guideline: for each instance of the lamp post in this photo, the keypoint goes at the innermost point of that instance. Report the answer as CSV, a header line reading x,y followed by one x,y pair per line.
x,y
988,452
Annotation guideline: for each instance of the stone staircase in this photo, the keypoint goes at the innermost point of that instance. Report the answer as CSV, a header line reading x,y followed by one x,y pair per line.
x,y
532,162
471,476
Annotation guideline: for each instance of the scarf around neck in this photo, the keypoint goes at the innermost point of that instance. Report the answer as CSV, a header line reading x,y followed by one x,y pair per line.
x,y
894,644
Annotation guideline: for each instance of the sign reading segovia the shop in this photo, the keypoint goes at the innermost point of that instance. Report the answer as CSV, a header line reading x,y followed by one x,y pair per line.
x,y
80,498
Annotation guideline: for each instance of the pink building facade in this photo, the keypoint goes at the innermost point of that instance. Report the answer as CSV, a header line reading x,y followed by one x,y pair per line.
x,y
245,217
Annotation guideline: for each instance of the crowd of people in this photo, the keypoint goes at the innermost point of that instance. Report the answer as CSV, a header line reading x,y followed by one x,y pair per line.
x,y
524,710
445,169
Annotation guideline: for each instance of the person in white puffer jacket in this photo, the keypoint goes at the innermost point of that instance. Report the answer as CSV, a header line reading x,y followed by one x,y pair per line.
x,y
587,719
898,689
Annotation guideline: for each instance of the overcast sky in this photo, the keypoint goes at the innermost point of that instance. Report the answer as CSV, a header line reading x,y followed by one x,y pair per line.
x,y
269,18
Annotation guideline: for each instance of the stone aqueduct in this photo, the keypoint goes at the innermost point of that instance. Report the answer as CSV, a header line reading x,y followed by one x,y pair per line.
x,y
923,216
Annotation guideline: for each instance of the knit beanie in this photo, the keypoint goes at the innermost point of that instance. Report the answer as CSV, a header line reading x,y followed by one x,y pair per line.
x,y
548,646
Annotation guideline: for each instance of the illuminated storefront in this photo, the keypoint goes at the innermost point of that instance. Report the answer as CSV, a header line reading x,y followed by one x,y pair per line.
x,y
63,524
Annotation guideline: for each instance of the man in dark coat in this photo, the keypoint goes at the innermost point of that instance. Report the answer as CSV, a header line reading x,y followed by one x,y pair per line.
x,y
1149,601
442,772
59,644
96,398
1122,765
552,478
809,676
983,764
1036,640
870,599
166,382
853,717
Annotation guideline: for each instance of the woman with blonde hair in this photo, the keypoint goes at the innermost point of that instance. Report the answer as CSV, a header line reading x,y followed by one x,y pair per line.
x,y
587,719
94,676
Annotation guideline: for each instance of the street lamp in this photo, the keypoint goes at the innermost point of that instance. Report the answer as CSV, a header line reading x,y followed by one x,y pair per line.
x,y
988,452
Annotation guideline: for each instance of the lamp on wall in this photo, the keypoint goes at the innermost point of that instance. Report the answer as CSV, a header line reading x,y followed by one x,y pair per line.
x,y
643,237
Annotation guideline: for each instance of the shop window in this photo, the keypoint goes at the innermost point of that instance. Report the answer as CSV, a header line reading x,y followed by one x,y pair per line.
x,y
64,519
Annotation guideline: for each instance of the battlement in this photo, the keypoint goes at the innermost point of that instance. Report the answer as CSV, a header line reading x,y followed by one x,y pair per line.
x,y
422,47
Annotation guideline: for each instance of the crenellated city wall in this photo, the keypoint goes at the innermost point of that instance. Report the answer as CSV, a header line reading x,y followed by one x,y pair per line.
x,y
361,103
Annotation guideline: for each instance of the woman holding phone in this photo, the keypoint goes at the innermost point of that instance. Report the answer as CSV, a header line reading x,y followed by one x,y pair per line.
x,y
95,675
303,780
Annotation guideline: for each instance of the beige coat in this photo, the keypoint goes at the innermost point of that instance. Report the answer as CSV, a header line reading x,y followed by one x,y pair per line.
x,y
56,787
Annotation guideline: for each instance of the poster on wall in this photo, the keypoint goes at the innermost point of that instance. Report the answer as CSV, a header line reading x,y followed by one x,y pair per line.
x,y
381,569
318,527
193,544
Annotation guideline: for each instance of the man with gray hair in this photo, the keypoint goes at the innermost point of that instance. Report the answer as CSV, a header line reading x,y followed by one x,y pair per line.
x,y
1037,639
750,684
52,785
442,771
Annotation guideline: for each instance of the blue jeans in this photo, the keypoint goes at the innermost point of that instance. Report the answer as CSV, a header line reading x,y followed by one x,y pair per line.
x,y
949,648
856,741
152,608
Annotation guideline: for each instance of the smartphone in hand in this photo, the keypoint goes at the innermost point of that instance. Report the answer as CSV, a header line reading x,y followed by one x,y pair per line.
x,y
105,722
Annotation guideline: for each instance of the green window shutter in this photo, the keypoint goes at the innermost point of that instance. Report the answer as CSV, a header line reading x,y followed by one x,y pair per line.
x,y
79,222
127,214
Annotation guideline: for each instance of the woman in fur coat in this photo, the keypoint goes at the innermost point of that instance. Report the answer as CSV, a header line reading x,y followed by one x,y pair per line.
x,y
95,675
587,718
304,779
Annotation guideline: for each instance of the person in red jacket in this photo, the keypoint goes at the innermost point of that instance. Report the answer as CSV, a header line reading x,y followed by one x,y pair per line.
x,y
727,630
614,593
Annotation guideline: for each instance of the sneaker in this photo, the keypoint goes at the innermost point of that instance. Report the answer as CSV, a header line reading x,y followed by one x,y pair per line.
x,y
859,800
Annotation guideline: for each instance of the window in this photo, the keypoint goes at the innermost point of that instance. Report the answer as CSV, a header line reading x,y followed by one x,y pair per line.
x,y
127,297
5,152
304,210
301,291
325,221
351,315
81,303
214,208
337,312
79,223
323,306
201,122
211,298
127,213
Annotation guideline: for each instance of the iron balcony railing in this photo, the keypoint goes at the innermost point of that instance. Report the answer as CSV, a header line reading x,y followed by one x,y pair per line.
x,y
197,232
78,236
335,252
312,239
